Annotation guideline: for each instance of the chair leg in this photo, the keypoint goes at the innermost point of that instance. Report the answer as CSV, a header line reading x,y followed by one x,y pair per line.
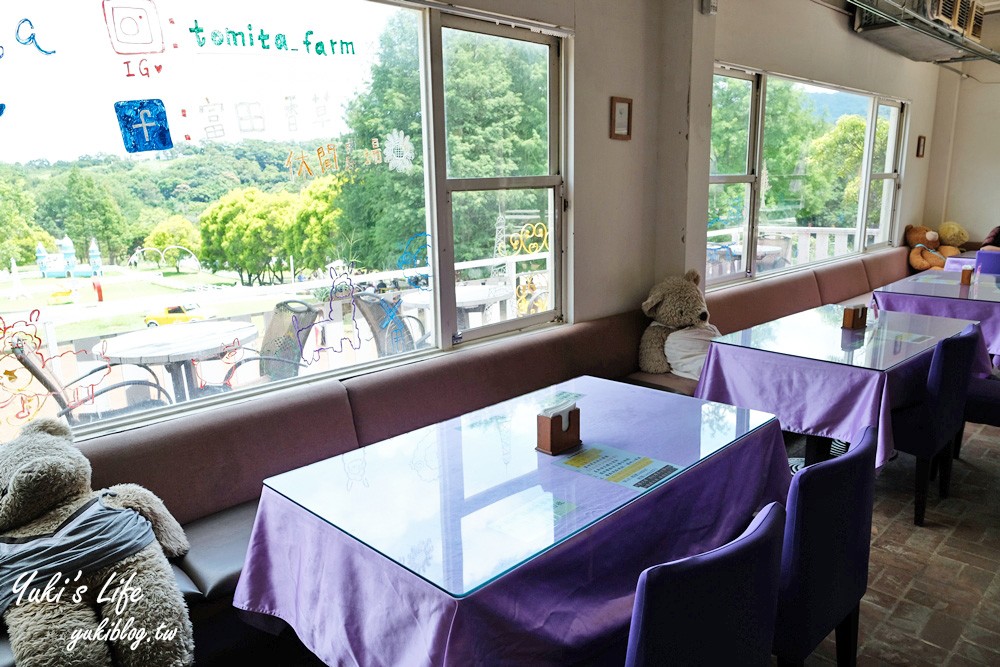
x,y
923,480
847,639
944,459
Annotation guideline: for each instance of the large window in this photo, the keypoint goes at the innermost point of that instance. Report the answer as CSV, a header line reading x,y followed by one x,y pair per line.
x,y
205,198
799,173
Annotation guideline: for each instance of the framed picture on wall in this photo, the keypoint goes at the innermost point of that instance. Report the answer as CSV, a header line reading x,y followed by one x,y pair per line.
x,y
621,118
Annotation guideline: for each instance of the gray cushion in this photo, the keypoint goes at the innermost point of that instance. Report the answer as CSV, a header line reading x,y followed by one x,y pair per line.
x,y
218,547
188,589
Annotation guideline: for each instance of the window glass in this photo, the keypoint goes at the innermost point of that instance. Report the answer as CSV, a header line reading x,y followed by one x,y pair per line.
x,y
821,165
496,105
504,255
729,208
205,197
730,125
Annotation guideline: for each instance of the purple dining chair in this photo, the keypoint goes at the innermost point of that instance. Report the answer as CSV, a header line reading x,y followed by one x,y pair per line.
x,y
988,261
982,405
715,608
824,560
930,428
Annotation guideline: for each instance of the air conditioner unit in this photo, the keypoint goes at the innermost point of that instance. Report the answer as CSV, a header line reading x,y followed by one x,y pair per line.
x,y
975,30
942,11
963,17
903,39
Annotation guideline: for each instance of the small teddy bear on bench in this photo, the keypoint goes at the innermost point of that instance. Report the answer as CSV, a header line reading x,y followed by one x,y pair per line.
x,y
677,340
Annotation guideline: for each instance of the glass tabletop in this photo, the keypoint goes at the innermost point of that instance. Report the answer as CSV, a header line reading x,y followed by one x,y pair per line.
x,y
461,502
888,339
946,284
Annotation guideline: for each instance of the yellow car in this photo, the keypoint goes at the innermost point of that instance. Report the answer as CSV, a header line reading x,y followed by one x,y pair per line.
x,y
188,312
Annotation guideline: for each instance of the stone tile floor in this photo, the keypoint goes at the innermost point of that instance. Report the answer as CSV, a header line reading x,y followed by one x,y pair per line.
x,y
934,591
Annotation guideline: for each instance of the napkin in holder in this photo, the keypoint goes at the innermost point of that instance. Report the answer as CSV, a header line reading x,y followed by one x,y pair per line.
x,y
558,428
855,317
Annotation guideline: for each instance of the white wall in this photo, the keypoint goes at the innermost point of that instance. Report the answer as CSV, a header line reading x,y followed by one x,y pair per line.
x,y
967,168
805,39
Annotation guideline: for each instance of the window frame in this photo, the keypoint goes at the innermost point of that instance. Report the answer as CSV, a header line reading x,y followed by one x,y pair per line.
x,y
443,263
756,133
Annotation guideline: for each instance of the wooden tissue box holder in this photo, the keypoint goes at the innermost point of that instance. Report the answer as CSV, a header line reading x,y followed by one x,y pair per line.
x,y
552,439
855,317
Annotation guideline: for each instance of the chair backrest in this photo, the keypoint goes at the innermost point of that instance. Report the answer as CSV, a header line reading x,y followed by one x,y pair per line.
x,y
948,382
988,261
824,561
284,338
392,336
715,608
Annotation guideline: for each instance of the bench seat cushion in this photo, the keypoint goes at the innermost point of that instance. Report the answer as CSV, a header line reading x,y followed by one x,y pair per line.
x,y
841,280
742,306
396,400
218,548
208,460
886,266
668,381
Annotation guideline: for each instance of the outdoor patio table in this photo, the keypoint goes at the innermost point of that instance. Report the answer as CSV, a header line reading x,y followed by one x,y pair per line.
x,y
823,380
176,346
941,293
460,544
468,299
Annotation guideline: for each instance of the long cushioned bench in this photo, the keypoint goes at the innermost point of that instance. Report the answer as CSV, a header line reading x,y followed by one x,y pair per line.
x,y
741,306
208,466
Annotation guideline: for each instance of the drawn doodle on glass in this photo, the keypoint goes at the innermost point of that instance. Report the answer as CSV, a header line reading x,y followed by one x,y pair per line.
x,y
133,26
415,256
399,152
341,292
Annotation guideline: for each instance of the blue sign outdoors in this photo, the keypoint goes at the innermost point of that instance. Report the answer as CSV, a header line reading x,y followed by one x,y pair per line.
x,y
144,125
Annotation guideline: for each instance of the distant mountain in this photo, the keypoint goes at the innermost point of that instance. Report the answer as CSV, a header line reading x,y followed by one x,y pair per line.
x,y
831,106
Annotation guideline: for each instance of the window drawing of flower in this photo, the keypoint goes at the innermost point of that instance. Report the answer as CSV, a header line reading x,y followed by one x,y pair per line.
x,y
399,152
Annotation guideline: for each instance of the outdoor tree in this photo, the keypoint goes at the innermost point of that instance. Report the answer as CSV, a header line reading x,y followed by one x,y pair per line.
x,y
313,238
830,194
247,231
79,205
175,231
18,230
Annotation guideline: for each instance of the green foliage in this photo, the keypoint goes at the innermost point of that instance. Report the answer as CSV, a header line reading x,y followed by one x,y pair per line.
x,y
313,235
174,231
79,204
247,231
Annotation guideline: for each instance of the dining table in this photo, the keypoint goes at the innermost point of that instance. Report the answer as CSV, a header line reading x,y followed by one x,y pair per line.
x,y
827,381
178,346
942,293
460,543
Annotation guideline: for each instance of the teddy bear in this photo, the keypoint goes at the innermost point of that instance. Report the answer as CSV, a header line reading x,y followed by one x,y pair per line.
x,y
926,251
677,339
953,234
84,576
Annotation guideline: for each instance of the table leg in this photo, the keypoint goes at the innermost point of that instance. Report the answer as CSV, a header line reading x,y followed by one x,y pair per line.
x,y
178,380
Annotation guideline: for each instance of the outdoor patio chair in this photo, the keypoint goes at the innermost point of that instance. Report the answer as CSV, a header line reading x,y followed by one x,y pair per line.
x,y
390,328
280,352
74,395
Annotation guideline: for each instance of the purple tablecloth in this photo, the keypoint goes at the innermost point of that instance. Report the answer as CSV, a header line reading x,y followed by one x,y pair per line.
x,y
350,605
987,313
817,397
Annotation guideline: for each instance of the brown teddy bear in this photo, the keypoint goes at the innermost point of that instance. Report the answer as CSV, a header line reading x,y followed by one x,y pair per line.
x,y
926,251
678,338
84,579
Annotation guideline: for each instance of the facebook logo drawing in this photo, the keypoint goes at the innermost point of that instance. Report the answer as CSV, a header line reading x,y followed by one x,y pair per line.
x,y
144,125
